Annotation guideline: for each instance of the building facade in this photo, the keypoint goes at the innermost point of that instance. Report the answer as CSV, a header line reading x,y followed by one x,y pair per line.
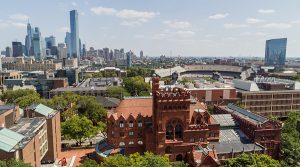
x,y
74,27
17,48
275,53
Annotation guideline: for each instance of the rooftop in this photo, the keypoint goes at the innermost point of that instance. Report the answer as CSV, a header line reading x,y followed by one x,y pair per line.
x,y
243,113
234,140
73,89
225,120
42,109
4,108
28,126
9,139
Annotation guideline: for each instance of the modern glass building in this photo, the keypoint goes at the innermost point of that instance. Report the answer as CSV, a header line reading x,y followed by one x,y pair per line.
x,y
75,52
275,53
17,48
39,49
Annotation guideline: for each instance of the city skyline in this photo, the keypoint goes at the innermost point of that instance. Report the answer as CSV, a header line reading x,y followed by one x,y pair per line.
x,y
199,28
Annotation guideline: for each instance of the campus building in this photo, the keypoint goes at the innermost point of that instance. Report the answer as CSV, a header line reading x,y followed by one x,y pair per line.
x,y
31,135
171,123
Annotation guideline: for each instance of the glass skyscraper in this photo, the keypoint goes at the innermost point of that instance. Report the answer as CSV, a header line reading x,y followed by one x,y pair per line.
x,y
275,52
74,34
39,49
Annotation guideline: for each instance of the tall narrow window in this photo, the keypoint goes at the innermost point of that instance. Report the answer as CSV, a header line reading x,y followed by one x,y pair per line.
x,y
178,131
169,132
140,123
198,121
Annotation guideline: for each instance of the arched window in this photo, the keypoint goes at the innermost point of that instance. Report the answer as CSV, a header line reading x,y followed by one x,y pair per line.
x,y
130,124
140,142
198,121
121,124
169,132
178,131
131,143
179,157
193,120
168,150
121,144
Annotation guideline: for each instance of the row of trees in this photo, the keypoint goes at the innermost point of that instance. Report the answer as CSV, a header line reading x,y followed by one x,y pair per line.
x,y
290,139
134,160
82,117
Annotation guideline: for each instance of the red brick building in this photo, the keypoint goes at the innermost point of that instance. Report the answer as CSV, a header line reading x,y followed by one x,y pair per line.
x,y
170,124
257,128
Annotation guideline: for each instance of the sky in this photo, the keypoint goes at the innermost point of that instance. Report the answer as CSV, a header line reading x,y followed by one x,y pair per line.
x,y
161,27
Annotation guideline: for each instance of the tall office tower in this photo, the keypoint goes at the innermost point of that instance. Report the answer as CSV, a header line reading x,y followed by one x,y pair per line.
x,y
122,53
80,48
74,34
50,42
141,54
100,53
17,49
61,51
39,50
28,41
275,52
8,51
106,54
128,58
111,55
83,50
117,54
68,43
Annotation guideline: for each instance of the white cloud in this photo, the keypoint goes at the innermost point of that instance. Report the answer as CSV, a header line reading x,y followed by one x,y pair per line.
x,y
277,25
12,24
218,16
295,22
177,24
133,14
130,23
254,21
231,25
103,11
185,33
266,11
253,33
230,38
19,17
74,4
210,35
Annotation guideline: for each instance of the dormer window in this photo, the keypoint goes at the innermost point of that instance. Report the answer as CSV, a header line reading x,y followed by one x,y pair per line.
x,y
140,124
121,124
131,124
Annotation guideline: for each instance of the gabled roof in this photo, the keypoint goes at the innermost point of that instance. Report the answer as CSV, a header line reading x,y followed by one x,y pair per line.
x,y
9,139
108,102
42,109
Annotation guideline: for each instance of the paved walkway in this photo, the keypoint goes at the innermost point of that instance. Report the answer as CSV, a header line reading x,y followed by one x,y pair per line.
x,y
80,154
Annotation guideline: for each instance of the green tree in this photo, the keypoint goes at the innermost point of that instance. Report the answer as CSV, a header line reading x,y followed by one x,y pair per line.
x,y
290,138
89,163
89,107
28,100
136,85
14,163
116,161
117,92
138,71
151,160
252,160
11,95
78,128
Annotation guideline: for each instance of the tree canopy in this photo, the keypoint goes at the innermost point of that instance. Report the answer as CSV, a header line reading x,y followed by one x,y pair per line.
x,y
135,160
290,138
13,163
78,128
23,97
252,160
138,71
136,86
117,92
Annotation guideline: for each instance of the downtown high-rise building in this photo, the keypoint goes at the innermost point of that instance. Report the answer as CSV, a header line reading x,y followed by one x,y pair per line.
x,y
50,42
8,52
17,48
275,53
29,41
75,49
39,50
68,43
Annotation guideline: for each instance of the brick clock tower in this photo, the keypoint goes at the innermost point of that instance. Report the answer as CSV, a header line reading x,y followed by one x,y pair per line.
x,y
172,119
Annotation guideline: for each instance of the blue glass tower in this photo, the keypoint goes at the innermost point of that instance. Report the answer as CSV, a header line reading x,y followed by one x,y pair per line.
x,y
275,52
75,52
